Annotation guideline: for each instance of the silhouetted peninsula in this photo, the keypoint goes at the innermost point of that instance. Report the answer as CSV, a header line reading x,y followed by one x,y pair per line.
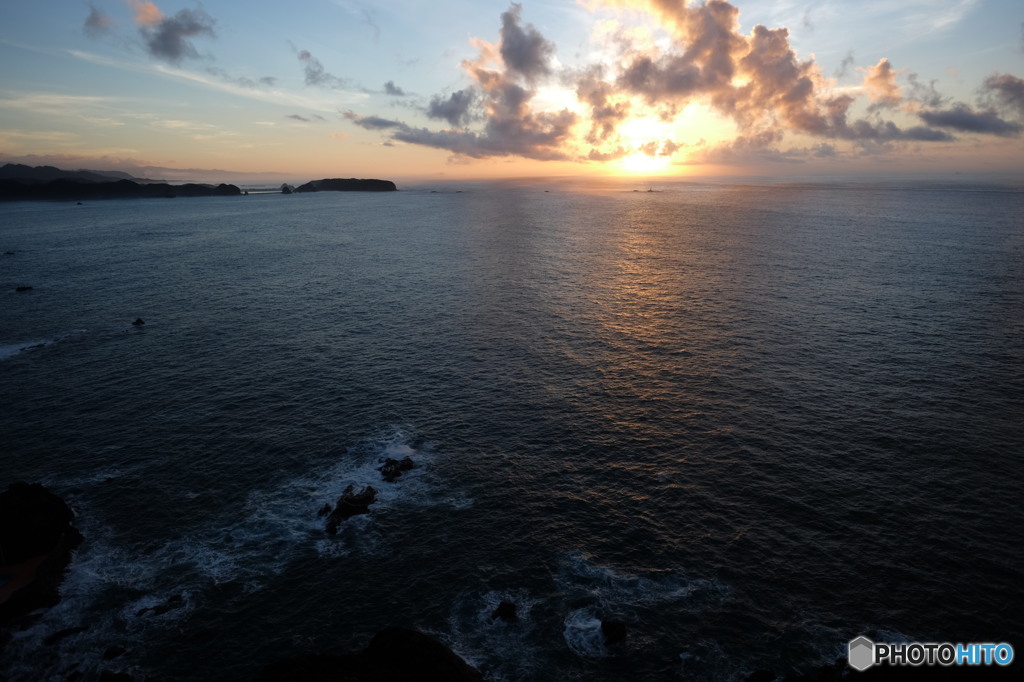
x,y
66,189
349,185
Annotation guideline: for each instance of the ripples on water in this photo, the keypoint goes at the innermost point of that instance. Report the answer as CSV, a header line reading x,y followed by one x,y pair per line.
x,y
751,422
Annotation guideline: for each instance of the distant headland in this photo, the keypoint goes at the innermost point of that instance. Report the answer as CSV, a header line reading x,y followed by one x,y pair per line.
x,y
349,185
46,183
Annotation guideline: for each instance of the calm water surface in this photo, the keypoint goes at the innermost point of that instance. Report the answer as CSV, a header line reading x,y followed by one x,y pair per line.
x,y
752,422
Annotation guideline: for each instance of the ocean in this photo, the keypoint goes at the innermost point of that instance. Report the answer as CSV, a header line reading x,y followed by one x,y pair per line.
x,y
752,422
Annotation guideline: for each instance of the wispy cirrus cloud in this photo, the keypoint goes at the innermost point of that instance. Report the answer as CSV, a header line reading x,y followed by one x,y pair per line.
x,y
315,74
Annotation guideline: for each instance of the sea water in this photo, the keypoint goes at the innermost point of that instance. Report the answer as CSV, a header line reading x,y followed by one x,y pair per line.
x,y
752,422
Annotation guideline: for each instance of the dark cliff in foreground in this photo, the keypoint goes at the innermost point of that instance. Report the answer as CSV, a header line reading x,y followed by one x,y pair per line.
x,y
67,189
349,185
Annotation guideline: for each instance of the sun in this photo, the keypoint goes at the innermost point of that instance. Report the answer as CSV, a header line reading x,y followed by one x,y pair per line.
x,y
639,163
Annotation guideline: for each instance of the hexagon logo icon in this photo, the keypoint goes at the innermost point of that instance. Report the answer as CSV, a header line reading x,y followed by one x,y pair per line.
x,y
861,653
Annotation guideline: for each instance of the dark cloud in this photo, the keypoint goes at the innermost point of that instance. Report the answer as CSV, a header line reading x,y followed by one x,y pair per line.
x,y
298,118
168,39
961,117
315,73
501,99
925,95
391,89
1007,91
537,136
607,110
97,23
523,49
373,122
456,109
844,66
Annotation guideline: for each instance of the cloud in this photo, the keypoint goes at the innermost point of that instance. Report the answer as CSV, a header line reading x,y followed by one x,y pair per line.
x,y
607,111
373,122
167,38
97,23
707,64
503,96
1007,91
925,95
844,66
391,89
245,82
146,13
961,117
523,49
880,85
316,74
298,118
456,109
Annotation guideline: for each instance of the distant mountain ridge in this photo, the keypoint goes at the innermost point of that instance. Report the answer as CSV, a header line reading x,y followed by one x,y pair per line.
x,y
19,171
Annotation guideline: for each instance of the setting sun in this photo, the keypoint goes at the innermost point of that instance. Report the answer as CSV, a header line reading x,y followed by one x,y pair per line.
x,y
643,164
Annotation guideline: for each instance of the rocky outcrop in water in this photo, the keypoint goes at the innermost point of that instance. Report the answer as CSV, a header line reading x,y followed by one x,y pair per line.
x,y
36,539
393,468
395,654
614,632
506,611
349,185
351,503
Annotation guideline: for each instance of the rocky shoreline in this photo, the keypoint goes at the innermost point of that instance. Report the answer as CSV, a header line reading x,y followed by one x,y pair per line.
x,y
36,544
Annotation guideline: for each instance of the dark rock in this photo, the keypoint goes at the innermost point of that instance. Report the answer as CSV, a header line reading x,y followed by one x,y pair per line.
x,y
614,632
761,676
324,510
138,322
114,651
23,288
111,676
349,504
349,185
506,611
393,468
36,541
286,189
395,654
63,634
174,602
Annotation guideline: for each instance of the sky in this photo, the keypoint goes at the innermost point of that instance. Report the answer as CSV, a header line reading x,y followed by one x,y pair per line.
x,y
453,89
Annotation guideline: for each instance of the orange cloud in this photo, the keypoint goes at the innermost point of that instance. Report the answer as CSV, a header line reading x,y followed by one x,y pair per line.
x,y
880,85
146,13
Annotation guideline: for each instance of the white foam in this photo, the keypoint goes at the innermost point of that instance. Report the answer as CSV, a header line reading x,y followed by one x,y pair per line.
x,y
9,350
110,585
583,634
501,650
581,577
